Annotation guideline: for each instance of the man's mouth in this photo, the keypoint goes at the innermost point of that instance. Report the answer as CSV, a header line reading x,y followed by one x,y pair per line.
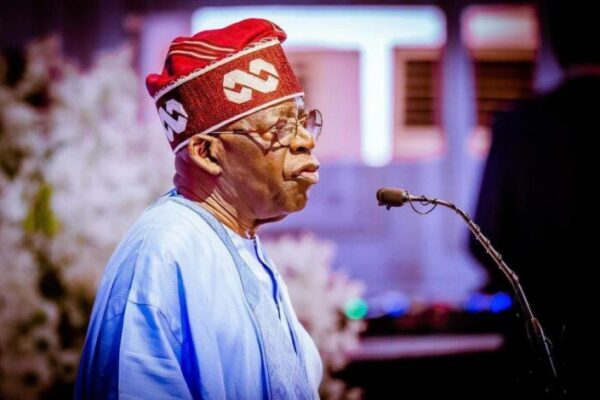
x,y
308,173
310,177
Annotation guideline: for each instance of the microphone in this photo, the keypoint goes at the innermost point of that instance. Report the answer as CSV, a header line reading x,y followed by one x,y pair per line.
x,y
398,197
395,197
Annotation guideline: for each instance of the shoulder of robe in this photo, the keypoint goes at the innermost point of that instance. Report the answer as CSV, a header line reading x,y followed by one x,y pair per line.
x,y
169,246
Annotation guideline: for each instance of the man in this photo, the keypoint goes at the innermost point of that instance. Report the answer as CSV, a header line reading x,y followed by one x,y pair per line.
x,y
533,204
190,305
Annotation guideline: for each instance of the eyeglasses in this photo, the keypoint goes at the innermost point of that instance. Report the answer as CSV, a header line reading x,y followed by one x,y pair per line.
x,y
286,132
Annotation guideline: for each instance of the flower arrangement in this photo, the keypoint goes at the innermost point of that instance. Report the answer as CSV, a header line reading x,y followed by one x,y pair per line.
x,y
69,188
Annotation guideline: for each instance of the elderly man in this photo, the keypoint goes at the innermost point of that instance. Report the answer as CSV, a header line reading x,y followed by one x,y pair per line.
x,y
190,305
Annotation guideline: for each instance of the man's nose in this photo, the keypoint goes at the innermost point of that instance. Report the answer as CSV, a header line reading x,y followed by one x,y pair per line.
x,y
303,142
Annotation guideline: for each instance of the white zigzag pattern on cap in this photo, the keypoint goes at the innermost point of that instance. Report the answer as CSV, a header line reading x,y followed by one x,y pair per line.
x,y
262,44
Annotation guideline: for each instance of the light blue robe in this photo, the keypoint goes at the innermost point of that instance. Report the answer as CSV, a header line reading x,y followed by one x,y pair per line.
x,y
171,318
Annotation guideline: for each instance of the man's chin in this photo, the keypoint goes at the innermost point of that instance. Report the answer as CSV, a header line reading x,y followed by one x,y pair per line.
x,y
299,201
294,204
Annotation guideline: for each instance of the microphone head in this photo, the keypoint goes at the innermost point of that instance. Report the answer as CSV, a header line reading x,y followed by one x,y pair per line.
x,y
392,197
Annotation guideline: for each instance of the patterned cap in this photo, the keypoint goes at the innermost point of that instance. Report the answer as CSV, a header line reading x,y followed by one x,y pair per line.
x,y
218,76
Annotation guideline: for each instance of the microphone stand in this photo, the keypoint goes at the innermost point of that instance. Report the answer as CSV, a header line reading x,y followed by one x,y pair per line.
x,y
539,339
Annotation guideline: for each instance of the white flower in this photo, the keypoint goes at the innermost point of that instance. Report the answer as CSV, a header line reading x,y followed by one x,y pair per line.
x,y
103,166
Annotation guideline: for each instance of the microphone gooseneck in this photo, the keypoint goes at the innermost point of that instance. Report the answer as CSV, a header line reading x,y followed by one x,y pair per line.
x,y
389,197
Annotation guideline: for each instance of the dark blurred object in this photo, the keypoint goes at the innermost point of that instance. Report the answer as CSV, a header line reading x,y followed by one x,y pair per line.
x,y
531,200
85,26
12,66
472,375
439,320
574,31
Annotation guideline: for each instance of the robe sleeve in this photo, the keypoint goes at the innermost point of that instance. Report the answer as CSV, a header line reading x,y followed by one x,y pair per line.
x,y
150,356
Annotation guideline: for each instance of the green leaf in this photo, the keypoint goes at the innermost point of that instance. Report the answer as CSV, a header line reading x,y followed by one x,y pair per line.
x,y
40,217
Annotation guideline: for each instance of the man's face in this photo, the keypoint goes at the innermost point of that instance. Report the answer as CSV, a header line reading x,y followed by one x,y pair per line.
x,y
273,180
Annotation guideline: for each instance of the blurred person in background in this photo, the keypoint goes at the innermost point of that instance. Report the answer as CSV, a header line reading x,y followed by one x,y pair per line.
x,y
190,305
531,202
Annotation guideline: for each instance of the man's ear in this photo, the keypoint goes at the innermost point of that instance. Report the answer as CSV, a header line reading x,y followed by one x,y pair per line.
x,y
202,150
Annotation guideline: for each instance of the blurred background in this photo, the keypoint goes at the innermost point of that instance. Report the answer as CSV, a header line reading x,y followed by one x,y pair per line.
x,y
408,90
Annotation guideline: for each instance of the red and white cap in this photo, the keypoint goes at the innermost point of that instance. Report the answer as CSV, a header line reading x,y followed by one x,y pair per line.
x,y
217,76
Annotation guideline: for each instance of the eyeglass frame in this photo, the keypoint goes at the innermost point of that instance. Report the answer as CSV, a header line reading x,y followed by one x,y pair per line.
x,y
315,137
